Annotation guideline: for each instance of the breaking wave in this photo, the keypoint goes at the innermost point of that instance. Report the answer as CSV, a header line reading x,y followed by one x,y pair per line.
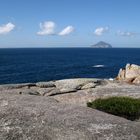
x,y
98,66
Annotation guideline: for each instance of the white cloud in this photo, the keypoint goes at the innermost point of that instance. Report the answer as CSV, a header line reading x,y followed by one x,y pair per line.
x,y
66,31
126,33
47,28
4,29
100,31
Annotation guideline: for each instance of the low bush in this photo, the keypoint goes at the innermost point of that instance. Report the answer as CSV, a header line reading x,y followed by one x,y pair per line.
x,y
126,107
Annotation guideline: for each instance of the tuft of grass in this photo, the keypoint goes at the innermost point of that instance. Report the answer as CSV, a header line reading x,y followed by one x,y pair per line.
x,y
126,107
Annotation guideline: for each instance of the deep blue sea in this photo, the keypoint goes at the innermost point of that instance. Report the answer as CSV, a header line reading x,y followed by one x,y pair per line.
x,y
44,64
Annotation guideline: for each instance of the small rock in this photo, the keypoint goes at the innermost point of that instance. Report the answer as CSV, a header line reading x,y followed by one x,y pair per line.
x,y
89,85
45,84
43,91
66,90
53,92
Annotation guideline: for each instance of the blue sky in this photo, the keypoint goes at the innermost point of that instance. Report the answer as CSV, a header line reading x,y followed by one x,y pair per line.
x,y
69,23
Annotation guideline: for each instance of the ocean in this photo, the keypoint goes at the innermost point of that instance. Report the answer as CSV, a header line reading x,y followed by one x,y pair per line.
x,y
45,64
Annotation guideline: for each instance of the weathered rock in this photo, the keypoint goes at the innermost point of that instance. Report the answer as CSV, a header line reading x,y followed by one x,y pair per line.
x,y
121,75
38,118
137,80
74,83
10,91
29,92
132,71
129,74
45,91
16,86
53,92
45,84
89,85
111,89
63,90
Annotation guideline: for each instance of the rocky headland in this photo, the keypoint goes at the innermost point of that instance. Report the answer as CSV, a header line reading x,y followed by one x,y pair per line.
x,y
57,110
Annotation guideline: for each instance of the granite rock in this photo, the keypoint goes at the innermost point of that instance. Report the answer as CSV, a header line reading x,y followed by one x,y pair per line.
x,y
89,85
130,73
28,92
16,86
74,83
37,118
45,84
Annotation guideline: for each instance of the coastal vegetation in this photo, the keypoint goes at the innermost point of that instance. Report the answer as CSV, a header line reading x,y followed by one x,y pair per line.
x,y
126,107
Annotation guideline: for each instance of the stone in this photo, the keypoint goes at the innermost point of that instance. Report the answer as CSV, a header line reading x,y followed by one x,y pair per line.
x,y
45,91
74,83
29,92
89,85
45,84
121,74
109,89
129,74
53,92
137,80
16,86
66,90
132,71
38,118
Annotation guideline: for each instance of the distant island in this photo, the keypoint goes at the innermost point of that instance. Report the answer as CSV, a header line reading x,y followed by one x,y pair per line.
x,y
101,44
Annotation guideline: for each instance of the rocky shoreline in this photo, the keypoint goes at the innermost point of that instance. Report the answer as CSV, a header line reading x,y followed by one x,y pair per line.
x,y
74,91
57,110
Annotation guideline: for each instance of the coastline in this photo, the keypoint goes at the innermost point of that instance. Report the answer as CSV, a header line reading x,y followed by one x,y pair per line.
x,y
57,110
77,91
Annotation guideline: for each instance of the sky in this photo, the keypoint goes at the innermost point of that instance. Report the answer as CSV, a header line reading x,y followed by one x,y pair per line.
x,y
69,23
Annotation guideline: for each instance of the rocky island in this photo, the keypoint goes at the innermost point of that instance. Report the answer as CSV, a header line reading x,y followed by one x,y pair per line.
x,y
101,44
57,110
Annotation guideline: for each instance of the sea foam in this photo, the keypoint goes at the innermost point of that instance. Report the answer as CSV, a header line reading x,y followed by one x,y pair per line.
x,y
98,66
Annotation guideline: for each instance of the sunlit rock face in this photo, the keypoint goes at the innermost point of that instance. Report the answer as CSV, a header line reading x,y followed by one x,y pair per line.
x,y
131,73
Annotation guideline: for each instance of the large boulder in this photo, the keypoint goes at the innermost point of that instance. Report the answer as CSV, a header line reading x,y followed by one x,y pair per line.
x,y
29,117
131,73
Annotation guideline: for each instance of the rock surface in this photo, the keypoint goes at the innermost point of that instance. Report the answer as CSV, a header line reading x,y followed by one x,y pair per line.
x,y
25,117
45,84
131,74
57,111
81,97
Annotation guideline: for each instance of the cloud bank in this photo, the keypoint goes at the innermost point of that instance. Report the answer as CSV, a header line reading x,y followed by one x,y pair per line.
x,y
100,31
66,31
6,28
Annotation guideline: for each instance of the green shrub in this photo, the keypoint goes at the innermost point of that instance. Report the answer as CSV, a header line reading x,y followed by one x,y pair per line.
x,y
121,106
